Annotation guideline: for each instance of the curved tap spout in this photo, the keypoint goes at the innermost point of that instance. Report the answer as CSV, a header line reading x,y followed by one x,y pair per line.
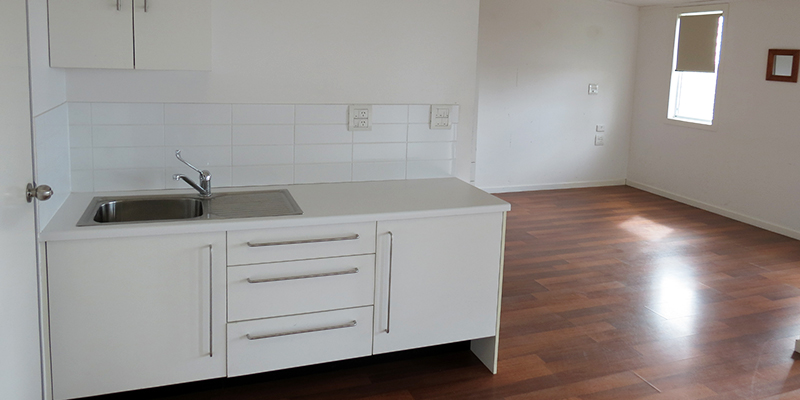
x,y
204,188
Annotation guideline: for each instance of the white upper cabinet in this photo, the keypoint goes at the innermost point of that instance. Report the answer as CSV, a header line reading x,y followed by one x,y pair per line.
x,y
91,34
128,34
172,34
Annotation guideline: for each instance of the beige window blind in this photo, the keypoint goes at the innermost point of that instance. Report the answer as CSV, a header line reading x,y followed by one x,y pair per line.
x,y
697,43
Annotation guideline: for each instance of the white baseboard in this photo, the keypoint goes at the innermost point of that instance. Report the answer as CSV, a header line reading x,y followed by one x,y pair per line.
x,y
718,210
552,186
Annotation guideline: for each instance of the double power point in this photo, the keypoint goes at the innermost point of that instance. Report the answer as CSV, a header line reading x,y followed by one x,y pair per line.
x,y
599,137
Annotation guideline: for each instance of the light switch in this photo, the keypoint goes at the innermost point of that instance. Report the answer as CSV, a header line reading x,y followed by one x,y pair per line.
x,y
600,128
440,116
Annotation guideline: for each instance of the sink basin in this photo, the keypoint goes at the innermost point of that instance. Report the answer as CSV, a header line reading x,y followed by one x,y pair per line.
x,y
159,208
132,210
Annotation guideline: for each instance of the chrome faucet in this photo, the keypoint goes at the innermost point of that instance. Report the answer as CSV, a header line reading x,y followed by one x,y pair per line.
x,y
205,177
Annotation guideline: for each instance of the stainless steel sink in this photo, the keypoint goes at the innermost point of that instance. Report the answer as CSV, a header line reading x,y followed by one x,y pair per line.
x,y
139,209
136,210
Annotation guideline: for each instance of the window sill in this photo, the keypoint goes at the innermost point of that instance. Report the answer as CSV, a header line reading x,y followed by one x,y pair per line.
x,y
691,125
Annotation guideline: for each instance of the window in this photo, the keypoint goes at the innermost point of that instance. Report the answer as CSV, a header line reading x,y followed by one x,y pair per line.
x,y
695,65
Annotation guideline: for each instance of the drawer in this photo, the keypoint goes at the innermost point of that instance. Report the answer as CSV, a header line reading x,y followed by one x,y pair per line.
x,y
302,243
285,342
295,287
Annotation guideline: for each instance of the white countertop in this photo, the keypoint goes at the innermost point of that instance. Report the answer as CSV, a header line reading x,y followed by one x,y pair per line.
x,y
321,204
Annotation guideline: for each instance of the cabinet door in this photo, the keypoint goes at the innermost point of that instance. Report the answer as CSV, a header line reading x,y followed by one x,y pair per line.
x,y
437,280
173,34
131,313
91,33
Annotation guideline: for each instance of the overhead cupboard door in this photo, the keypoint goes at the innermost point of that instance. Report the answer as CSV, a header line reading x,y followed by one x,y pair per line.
x,y
172,34
91,33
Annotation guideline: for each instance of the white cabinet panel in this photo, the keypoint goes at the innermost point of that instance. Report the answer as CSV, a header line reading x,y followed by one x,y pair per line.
x,y
173,34
91,34
130,313
285,342
437,280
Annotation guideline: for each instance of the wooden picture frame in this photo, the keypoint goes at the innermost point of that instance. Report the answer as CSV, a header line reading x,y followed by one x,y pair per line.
x,y
777,60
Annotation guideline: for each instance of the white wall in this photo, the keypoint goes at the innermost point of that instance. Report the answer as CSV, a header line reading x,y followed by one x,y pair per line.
x,y
48,85
320,52
536,122
749,168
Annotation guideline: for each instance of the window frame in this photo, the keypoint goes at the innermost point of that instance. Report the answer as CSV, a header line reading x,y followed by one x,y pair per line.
x,y
677,12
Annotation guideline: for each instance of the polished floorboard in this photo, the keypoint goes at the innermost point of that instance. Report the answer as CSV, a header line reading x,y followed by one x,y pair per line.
x,y
609,293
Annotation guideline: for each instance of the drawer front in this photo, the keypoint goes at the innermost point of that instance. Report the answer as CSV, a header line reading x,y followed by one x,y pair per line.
x,y
295,287
302,243
285,342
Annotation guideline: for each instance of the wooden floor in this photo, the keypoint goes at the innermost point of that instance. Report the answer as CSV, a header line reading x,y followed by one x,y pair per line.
x,y
609,293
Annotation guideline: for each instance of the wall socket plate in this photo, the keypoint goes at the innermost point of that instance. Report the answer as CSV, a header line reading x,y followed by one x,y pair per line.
x,y
599,140
440,116
360,118
600,128
594,89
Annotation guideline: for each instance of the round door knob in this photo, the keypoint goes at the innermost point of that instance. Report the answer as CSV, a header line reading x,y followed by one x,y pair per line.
x,y
41,192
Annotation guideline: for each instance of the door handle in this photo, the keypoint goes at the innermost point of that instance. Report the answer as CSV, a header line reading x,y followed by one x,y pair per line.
x,y
41,192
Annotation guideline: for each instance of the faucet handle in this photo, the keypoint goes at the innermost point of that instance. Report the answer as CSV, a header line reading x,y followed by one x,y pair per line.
x,y
202,173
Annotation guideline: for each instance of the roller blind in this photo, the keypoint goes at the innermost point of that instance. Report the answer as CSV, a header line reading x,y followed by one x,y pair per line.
x,y
697,43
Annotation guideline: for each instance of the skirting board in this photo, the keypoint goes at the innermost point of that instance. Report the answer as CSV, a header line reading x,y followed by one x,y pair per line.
x,y
718,210
552,186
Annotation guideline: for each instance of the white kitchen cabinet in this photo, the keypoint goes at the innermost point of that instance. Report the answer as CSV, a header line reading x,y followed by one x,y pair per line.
x,y
128,34
437,280
130,313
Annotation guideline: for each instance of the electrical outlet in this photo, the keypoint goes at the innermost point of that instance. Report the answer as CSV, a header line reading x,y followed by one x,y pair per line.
x,y
440,116
360,118
599,140
594,89
600,128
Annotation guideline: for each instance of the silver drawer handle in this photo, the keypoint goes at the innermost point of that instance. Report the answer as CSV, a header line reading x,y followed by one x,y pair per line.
x,y
304,241
291,278
328,328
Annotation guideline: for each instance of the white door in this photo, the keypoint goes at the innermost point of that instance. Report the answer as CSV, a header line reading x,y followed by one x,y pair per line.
x,y
20,371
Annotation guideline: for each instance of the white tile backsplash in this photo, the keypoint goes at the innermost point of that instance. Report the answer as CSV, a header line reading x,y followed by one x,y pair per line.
x,y
127,135
197,114
323,153
323,173
389,114
80,113
424,133
128,157
262,175
379,171
322,134
131,146
197,135
262,135
127,114
430,151
262,155
263,114
52,156
80,136
379,152
382,133
320,114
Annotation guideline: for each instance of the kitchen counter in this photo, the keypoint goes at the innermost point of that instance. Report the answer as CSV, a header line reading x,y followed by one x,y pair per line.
x,y
321,204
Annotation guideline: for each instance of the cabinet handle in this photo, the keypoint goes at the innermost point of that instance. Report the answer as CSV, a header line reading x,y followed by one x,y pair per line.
x,y
119,6
388,279
327,328
210,300
304,241
145,5
291,278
